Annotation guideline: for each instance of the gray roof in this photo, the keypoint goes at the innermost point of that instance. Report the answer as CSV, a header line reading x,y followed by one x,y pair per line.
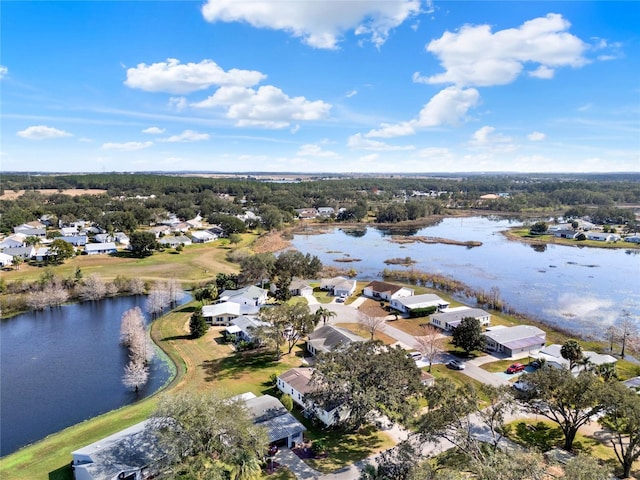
x,y
512,335
420,299
99,247
19,251
632,382
328,337
458,315
245,322
299,379
267,411
251,292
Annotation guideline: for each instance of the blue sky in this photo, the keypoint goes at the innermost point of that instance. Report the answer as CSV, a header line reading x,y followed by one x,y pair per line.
x,y
320,86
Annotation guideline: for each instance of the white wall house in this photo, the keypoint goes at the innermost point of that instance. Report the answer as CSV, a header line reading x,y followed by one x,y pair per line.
x,y
100,248
451,318
514,340
296,382
413,302
329,337
221,313
386,291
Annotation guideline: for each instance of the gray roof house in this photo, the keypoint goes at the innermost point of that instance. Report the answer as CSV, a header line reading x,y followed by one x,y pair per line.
x,y
566,234
100,248
21,252
339,286
250,295
171,241
553,356
243,327
406,304
452,317
131,454
75,240
328,337
268,412
298,287
513,340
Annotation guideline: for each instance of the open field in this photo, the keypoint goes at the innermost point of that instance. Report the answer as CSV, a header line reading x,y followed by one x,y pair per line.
x,y
72,192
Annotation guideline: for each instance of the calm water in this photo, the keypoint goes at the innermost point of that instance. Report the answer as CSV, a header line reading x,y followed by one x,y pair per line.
x,y
62,366
582,289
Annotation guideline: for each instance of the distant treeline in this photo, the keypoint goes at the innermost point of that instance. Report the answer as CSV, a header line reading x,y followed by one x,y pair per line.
x,y
138,199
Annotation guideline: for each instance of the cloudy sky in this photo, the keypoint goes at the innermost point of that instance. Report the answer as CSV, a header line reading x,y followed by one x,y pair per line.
x,y
320,86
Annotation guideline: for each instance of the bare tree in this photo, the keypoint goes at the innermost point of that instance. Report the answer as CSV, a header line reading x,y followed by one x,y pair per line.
x,y
612,335
130,322
628,328
92,289
136,286
135,375
370,323
430,344
158,299
174,291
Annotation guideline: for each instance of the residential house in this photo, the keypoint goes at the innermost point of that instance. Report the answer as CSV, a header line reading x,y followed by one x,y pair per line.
x,y
572,234
222,313
552,355
326,211
202,236
250,296
6,260
386,291
296,383
306,213
41,254
427,379
122,238
68,231
160,230
632,239
100,248
298,287
216,230
513,340
414,302
75,240
13,241
21,252
182,227
451,318
131,454
244,326
29,231
195,222
603,237
268,412
633,383
329,337
339,286
103,238
173,242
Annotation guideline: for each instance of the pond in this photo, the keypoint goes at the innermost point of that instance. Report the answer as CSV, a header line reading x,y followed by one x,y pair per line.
x,y
64,365
579,289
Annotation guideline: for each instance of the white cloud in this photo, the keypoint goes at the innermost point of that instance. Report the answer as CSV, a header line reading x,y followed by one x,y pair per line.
x,y
435,153
3,71
154,130
173,77
42,132
447,107
352,93
476,56
187,136
127,146
486,138
178,103
536,136
311,150
267,106
319,24
357,142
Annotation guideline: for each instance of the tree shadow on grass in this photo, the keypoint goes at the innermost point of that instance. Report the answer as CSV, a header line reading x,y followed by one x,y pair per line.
x,y
539,435
189,309
177,337
234,366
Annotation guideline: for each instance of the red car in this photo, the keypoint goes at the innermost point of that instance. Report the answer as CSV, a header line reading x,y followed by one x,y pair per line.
x,y
515,368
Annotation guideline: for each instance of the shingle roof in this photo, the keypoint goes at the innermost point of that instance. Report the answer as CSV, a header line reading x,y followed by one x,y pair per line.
x,y
299,379
515,334
378,286
427,298
328,337
458,315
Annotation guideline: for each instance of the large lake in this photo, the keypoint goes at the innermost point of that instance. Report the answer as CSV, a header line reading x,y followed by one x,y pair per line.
x,y
64,365
582,289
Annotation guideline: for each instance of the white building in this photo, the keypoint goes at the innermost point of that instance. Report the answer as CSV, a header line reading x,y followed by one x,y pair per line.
x,y
413,302
513,340
386,291
451,318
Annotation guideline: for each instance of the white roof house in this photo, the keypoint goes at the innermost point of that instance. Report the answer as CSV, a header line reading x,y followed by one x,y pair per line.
x,y
202,236
250,295
100,248
513,340
13,241
406,304
553,356
268,412
245,326
6,260
603,237
132,453
386,291
221,313
451,318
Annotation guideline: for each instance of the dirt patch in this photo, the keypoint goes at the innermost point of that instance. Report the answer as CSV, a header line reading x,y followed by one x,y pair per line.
x,y
271,242
72,192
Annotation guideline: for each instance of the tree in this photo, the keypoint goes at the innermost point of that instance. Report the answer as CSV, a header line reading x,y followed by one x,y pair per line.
x,y
628,328
235,238
585,467
572,351
131,323
143,244
468,335
364,377
622,418
324,314
455,411
59,251
287,323
197,324
431,344
135,375
158,298
16,261
175,293
539,228
256,268
370,323
227,441
564,399
206,294
92,289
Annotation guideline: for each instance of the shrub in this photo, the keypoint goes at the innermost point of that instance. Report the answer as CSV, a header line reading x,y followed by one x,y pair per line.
x,y
287,402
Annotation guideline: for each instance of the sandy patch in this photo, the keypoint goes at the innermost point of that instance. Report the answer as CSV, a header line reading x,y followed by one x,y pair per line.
x,y
73,192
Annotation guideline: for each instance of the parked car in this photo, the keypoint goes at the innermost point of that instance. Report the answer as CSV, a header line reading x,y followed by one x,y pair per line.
x,y
455,365
522,385
340,300
535,364
414,355
515,368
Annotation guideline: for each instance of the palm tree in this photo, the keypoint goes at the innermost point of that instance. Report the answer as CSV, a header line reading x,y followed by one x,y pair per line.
x,y
16,262
572,351
608,372
324,314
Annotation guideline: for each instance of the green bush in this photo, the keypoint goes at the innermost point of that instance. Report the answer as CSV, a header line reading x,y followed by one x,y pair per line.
x,y
422,312
287,402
